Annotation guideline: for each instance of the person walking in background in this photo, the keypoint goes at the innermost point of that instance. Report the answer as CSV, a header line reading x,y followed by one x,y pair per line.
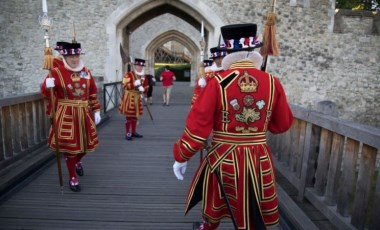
x,y
167,77
77,110
237,107
151,82
135,84
217,54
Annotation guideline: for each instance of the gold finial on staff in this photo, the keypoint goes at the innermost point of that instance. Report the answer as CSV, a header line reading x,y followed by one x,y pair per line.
x,y
202,42
74,34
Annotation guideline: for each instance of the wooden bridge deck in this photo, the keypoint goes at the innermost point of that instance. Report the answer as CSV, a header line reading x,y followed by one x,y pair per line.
x,y
127,184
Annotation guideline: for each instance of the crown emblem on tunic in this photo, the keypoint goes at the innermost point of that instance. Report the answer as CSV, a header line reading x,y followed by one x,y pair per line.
x,y
247,83
75,77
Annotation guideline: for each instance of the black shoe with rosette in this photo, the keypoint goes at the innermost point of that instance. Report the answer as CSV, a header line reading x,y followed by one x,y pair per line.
x,y
128,136
79,169
74,184
137,135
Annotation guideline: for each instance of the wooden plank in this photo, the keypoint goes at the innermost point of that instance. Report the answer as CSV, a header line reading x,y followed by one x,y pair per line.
x,y
301,146
294,147
293,212
7,130
23,127
286,148
323,162
30,123
280,146
337,220
334,169
305,161
41,108
348,177
14,100
37,122
2,147
15,122
363,186
313,155
374,221
362,133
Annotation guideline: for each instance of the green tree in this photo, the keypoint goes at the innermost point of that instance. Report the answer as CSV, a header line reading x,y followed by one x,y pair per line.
x,y
358,4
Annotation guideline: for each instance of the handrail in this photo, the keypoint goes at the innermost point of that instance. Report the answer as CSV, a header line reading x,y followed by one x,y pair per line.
x,y
112,93
332,163
23,126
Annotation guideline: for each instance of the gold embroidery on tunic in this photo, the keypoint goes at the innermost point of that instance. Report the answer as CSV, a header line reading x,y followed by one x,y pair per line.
x,y
78,91
243,130
247,83
75,77
225,117
260,104
235,104
248,115
248,100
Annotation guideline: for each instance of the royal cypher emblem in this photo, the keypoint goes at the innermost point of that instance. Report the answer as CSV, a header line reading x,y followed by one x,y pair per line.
x,y
249,113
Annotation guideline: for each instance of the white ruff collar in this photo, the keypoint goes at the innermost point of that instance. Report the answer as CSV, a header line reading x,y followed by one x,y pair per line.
x,y
215,68
251,56
77,69
141,73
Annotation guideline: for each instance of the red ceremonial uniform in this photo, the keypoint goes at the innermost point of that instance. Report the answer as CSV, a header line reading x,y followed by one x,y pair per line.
x,y
131,104
209,73
57,62
237,107
75,93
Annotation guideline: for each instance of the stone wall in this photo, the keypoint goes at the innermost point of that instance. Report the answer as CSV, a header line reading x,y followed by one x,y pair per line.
x,y
316,64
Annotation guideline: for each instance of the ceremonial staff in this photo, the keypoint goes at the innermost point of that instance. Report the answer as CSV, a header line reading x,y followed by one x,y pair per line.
x,y
45,23
270,44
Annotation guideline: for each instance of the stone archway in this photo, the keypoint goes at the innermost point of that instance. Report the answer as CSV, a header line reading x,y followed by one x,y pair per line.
x,y
172,35
130,15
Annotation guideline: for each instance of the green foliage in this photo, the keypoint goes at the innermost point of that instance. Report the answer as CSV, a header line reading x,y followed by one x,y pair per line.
x,y
357,4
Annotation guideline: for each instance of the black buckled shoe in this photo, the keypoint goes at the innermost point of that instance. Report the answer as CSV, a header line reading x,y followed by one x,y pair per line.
x,y
79,169
137,135
128,136
74,184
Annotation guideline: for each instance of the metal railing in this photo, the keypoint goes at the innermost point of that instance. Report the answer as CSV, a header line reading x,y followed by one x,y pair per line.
x,y
112,93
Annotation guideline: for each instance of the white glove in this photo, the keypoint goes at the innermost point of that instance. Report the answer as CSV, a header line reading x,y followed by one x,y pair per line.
x,y
50,82
179,169
137,83
202,82
141,89
97,117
